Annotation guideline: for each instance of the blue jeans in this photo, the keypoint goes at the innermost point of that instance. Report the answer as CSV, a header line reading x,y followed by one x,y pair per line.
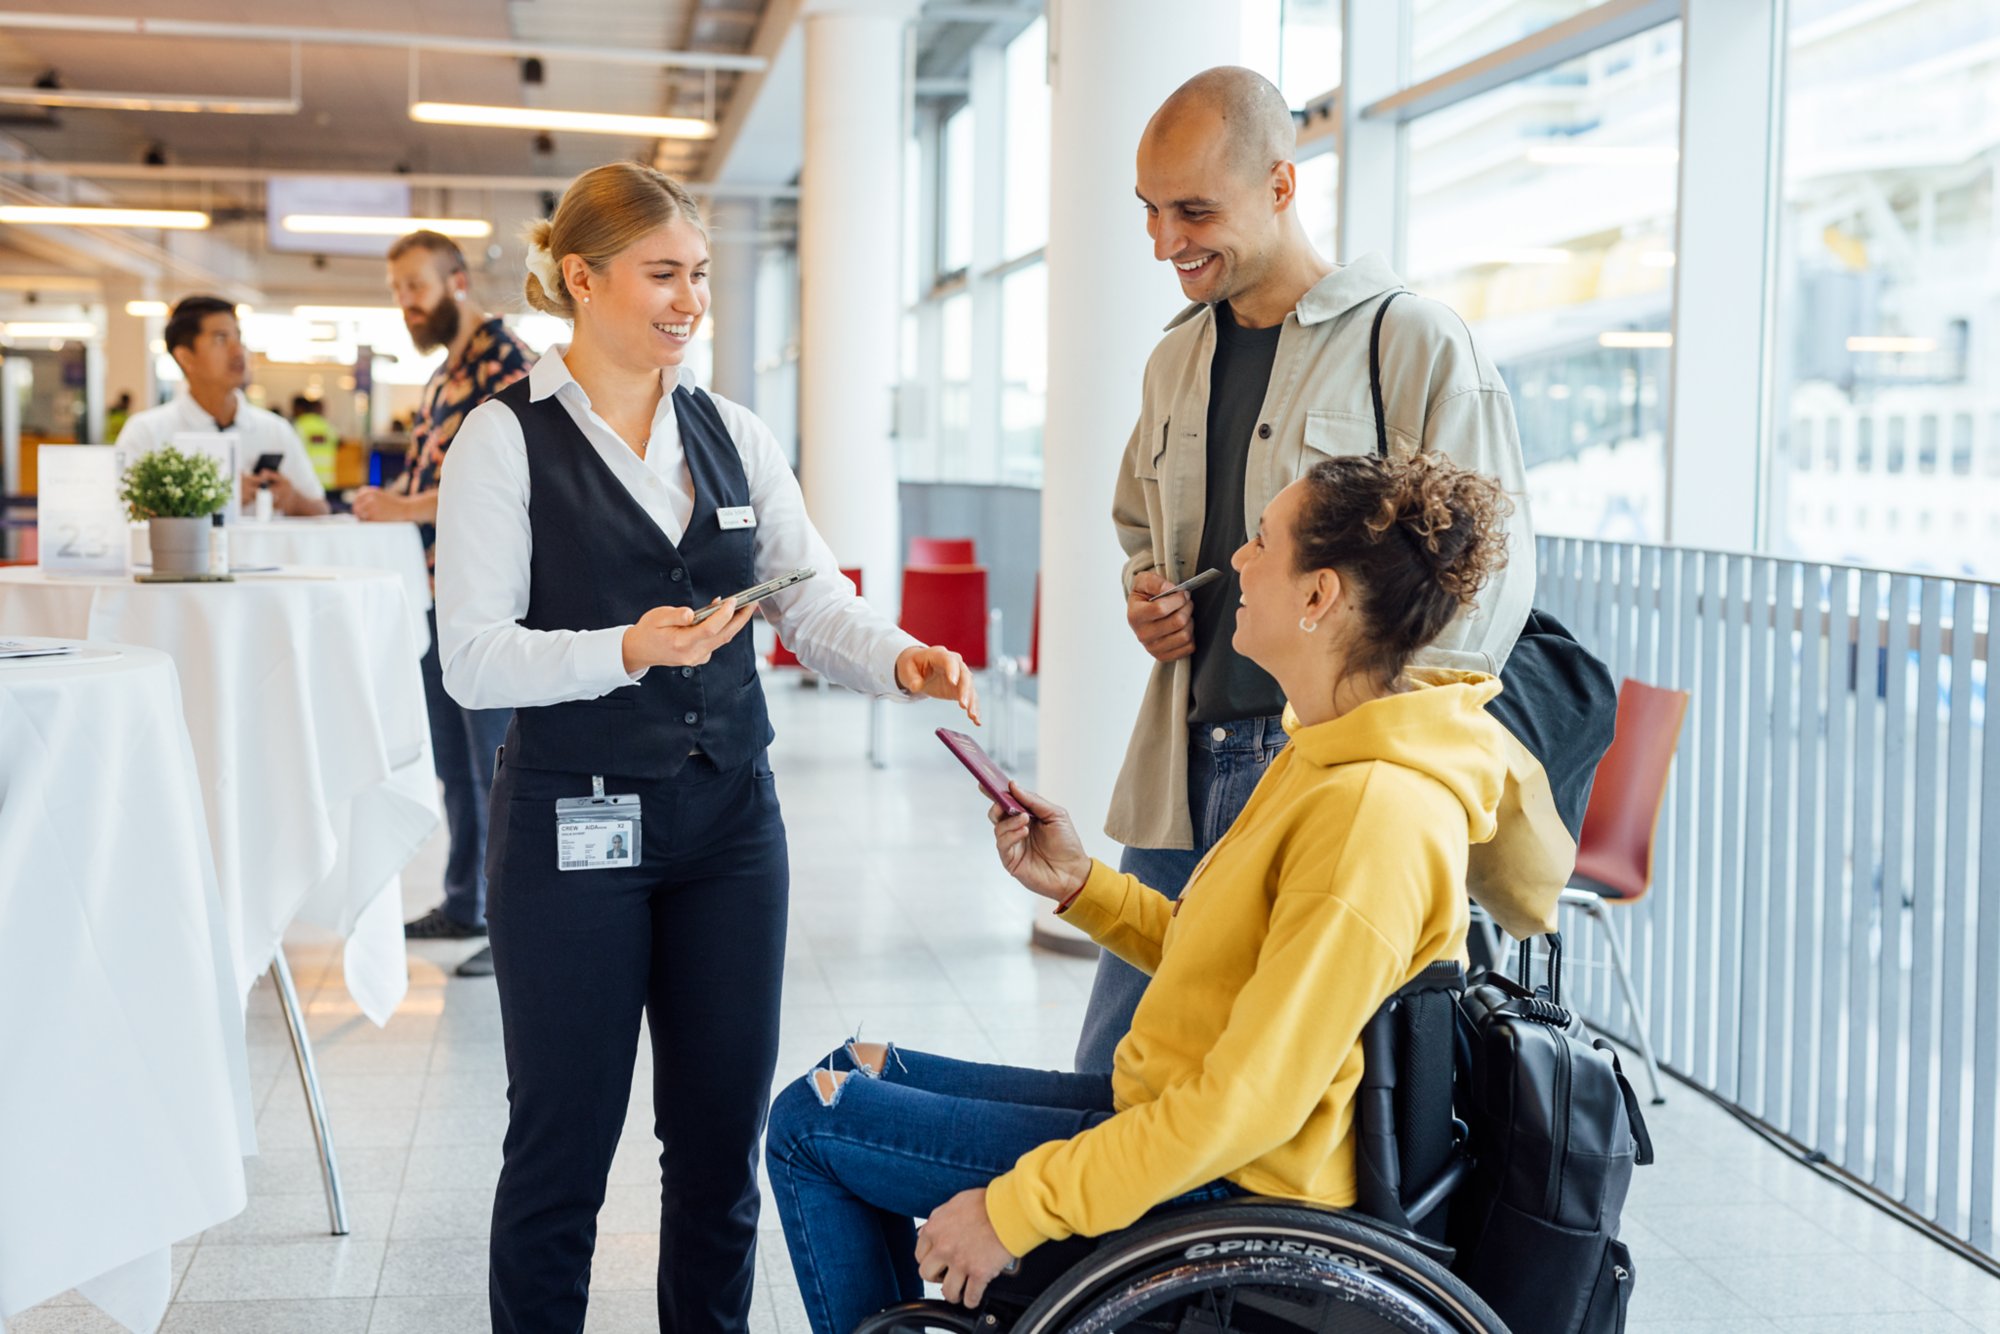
x,y
463,742
1222,773
850,1178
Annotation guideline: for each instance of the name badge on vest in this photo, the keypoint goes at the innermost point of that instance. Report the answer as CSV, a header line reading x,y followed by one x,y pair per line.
x,y
736,516
597,832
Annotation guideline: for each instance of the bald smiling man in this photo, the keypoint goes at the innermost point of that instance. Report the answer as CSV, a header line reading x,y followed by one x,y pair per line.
x,y
1262,376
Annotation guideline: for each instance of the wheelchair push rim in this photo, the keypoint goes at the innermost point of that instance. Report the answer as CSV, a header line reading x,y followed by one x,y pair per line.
x,y
1263,1269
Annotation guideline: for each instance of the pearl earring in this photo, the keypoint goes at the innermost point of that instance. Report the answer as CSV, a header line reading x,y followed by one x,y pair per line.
x,y
586,301
1308,626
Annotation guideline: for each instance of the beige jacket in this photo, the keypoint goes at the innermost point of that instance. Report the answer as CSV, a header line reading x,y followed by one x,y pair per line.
x,y
1438,392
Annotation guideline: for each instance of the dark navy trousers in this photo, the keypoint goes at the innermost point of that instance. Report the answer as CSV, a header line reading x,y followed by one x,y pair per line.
x,y
695,938
462,744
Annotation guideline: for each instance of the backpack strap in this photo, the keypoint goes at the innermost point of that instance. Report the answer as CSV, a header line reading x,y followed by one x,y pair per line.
x,y
1642,1138
1375,372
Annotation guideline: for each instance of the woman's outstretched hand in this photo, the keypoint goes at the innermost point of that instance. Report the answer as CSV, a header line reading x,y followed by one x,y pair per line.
x,y
941,674
1040,849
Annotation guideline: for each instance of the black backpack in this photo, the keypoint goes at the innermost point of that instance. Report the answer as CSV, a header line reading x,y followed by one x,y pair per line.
x,y
1555,1132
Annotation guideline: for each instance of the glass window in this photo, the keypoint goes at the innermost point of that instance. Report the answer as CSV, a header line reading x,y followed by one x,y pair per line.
x,y
1026,224
1024,373
1864,444
1833,444
1543,212
913,209
954,429
1308,49
1319,188
1887,266
955,238
777,335
1961,444
1447,33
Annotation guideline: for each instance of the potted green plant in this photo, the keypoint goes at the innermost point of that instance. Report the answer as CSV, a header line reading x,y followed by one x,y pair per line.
x,y
175,494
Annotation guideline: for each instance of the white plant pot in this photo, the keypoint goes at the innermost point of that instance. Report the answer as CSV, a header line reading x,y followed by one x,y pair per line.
x,y
180,546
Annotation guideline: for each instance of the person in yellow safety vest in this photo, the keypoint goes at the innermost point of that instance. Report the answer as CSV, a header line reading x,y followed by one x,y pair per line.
x,y
322,442
117,415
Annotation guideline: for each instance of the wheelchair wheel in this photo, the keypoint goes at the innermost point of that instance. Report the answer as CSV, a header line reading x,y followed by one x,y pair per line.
x,y
1258,1268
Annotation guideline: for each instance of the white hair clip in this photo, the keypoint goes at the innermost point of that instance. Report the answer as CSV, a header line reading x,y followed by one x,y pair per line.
x,y
543,265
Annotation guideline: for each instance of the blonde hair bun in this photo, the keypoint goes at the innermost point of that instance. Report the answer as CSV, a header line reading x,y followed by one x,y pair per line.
x,y
602,212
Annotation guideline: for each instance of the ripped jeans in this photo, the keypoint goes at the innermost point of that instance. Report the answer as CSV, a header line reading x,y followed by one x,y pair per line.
x,y
853,1167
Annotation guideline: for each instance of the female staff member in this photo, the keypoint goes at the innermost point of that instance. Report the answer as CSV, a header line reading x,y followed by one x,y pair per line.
x,y
587,510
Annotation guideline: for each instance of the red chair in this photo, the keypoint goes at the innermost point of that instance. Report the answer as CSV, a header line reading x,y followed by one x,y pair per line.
x,y
1614,854
942,551
784,657
946,605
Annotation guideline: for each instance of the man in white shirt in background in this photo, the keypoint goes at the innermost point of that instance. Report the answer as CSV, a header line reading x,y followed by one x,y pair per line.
x,y
207,344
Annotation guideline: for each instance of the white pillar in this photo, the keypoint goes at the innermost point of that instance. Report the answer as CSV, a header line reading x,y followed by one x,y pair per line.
x,y
127,355
1718,417
849,255
1112,62
733,226
1371,149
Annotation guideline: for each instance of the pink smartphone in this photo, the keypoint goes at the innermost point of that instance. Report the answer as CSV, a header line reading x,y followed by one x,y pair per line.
x,y
991,780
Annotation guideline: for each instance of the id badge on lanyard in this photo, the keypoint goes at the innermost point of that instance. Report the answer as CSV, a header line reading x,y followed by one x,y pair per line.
x,y
597,832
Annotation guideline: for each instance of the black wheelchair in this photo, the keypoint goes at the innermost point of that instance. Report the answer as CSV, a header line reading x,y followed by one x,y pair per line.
x,y
1261,1266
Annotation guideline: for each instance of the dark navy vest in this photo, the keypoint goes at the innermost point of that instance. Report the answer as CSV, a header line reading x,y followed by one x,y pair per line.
x,y
599,560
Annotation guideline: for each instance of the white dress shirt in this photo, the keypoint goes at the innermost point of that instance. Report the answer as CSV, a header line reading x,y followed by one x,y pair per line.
x,y
257,432
484,541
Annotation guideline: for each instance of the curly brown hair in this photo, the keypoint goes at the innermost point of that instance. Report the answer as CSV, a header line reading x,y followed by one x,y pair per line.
x,y
1419,537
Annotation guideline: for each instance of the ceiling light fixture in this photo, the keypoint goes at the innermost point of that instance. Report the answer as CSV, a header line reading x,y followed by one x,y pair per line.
x,y
581,122
50,215
67,99
342,224
63,329
1604,155
1888,343
145,308
1635,338
1522,255
344,313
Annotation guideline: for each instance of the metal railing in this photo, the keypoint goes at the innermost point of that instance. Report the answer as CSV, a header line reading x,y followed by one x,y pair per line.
x,y
1821,946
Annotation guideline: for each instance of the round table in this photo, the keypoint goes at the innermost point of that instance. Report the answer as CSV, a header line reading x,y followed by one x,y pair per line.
x,y
305,704
337,540
124,1092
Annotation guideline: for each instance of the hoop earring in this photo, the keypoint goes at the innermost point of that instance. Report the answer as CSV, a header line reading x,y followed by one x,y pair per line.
x,y
1308,626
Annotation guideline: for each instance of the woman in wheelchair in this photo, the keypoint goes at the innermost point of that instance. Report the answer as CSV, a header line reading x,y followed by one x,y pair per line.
x,y
1344,877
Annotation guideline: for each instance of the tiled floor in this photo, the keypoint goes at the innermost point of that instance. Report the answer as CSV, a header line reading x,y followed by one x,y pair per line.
x,y
901,922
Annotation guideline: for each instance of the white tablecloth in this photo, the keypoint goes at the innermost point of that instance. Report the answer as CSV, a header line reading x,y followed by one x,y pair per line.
x,y
124,1095
306,707
338,540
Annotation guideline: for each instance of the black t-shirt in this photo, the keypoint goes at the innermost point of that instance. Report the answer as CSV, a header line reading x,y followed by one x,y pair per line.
x,y
1228,685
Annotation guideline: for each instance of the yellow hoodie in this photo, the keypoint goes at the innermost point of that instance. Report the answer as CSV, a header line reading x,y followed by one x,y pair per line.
x,y
1343,878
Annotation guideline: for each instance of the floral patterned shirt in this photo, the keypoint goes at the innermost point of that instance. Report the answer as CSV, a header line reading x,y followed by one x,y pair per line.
x,y
493,359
